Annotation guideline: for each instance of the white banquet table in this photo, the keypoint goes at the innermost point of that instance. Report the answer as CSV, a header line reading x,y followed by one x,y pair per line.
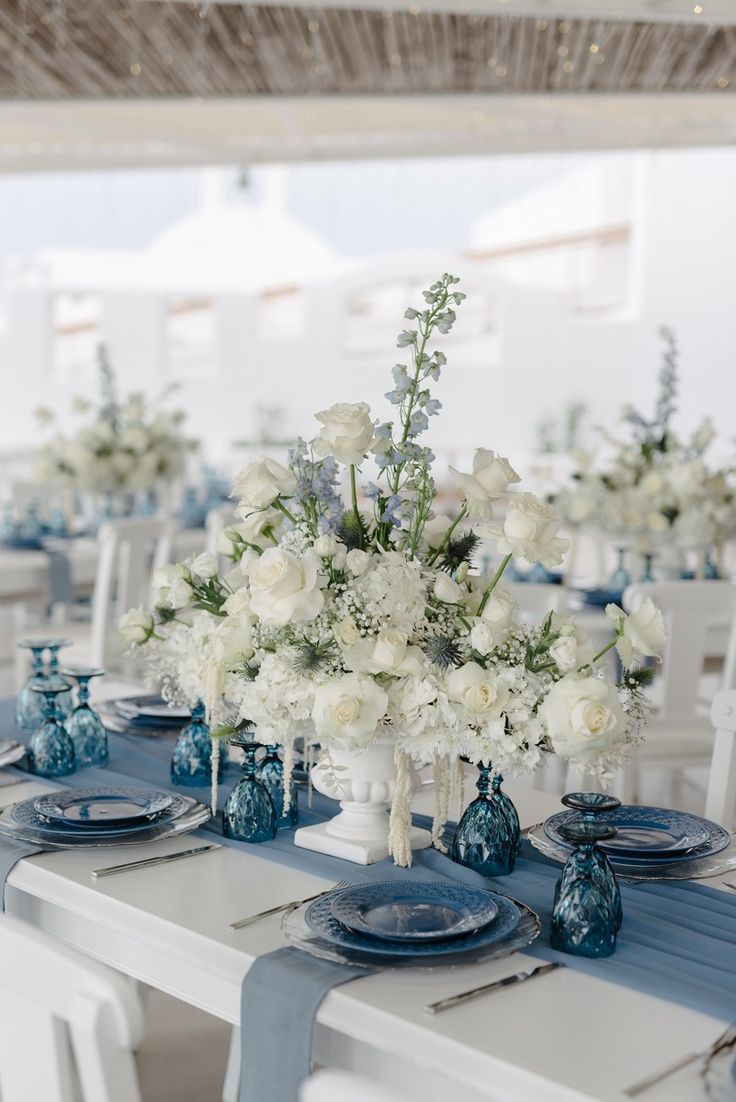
x,y
566,1037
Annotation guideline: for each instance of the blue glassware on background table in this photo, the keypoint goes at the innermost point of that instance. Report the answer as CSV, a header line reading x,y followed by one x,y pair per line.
x,y
584,921
191,762
620,578
487,838
29,709
84,725
648,575
249,813
51,750
64,703
590,805
270,773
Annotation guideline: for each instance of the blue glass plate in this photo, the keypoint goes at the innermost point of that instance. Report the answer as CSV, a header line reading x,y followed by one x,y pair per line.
x,y
411,912
321,921
150,711
102,807
673,836
599,598
25,815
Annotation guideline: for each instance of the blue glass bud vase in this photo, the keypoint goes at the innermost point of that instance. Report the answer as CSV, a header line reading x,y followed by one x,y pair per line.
x,y
620,578
590,805
270,773
249,813
488,836
191,762
29,709
648,575
710,570
583,919
85,727
51,750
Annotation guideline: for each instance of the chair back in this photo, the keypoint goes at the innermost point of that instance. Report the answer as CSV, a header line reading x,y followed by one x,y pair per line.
x,y
129,550
720,800
537,599
51,995
687,606
217,520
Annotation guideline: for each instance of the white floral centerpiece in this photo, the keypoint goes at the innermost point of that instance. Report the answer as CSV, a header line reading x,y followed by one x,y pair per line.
x,y
655,490
362,626
121,446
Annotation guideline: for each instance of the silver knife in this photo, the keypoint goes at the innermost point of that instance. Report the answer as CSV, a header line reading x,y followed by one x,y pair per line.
x,y
507,981
147,862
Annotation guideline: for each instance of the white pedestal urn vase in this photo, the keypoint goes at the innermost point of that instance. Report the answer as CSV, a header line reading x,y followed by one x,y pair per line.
x,y
366,783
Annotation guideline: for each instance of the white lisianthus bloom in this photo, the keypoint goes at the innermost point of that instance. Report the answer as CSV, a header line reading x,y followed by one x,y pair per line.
x,y
481,692
388,652
530,531
238,602
253,525
262,481
136,626
564,651
204,566
174,590
357,561
347,633
482,638
583,717
348,709
346,433
642,634
490,478
447,590
325,546
285,587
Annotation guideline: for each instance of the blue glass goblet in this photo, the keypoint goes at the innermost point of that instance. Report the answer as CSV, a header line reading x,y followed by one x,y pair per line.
x,y
487,838
29,710
84,725
620,578
648,575
270,773
51,750
191,762
583,918
249,812
65,704
590,805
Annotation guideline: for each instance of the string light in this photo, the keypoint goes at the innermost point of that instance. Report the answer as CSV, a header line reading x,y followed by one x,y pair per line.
x,y
415,9
313,26
594,47
723,82
698,9
562,51
501,71
542,24
135,69
568,66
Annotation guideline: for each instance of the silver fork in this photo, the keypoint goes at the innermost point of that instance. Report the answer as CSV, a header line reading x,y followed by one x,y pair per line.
x,y
286,906
726,1039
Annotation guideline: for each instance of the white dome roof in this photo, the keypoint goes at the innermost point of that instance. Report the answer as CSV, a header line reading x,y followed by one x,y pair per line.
x,y
239,246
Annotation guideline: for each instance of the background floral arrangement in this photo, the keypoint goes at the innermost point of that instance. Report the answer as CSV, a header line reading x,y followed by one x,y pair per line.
x,y
347,622
656,488
120,446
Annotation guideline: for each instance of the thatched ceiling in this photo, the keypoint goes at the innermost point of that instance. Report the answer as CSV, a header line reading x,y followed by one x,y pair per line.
x,y
92,49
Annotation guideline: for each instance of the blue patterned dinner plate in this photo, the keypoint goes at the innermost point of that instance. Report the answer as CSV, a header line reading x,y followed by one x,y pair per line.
x,y
101,807
411,912
25,815
321,921
647,834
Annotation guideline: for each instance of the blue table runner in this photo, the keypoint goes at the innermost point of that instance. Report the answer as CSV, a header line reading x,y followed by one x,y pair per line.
x,y
678,940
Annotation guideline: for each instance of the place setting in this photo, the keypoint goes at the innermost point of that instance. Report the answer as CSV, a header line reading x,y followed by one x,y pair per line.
x,y
148,715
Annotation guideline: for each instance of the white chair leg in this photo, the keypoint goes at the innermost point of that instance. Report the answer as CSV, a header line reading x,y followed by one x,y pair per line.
x,y
231,1085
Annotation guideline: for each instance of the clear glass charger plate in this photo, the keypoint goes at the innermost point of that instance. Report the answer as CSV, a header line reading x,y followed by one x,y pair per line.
x,y
194,816
694,869
299,934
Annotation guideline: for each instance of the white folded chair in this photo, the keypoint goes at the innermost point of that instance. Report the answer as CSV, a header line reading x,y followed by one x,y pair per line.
x,y
56,1003
720,804
331,1085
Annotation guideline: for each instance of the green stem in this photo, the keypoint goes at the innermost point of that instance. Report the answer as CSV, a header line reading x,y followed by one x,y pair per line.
x,y
492,584
282,508
448,535
605,650
354,493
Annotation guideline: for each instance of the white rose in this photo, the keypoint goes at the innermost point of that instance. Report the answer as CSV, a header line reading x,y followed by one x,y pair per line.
x,y
346,433
284,587
490,479
530,531
347,633
642,634
447,590
174,590
136,626
238,602
480,691
583,717
204,566
348,708
482,638
388,652
262,481
325,546
564,651
357,561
